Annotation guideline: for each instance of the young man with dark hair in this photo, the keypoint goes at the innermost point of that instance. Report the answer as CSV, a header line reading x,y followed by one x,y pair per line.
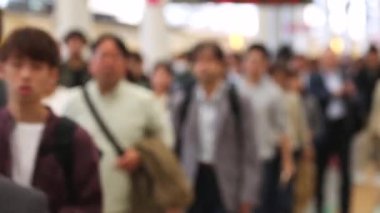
x,y
74,69
215,141
128,112
37,148
271,131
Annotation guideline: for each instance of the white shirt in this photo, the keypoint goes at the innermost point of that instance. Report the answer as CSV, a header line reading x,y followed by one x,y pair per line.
x,y
58,100
334,83
208,112
268,106
127,111
25,142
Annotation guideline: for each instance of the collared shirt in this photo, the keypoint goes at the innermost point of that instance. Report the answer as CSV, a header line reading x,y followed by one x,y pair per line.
x,y
269,110
335,109
128,111
208,112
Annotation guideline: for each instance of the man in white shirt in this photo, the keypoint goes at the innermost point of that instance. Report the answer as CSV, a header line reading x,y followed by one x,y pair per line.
x,y
127,110
37,148
275,152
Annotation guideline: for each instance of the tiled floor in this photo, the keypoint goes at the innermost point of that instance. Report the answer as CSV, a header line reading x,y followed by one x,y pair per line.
x,y
366,197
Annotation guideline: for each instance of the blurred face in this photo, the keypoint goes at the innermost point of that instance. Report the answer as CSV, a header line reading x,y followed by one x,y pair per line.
x,y
255,64
233,63
161,80
373,60
26,79
294,83
329,60
299,64
135,66
207,68
75,46
280,78
107,65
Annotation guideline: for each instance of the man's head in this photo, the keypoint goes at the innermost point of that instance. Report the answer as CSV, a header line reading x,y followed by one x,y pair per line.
x,y
372,58
162,77
208,62
29,59
329,61
300,64
135,64
109,61
234,62
256,60
293,81
75,41
278,73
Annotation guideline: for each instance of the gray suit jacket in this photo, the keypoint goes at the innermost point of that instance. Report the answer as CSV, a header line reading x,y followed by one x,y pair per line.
x,y
236,163
16,199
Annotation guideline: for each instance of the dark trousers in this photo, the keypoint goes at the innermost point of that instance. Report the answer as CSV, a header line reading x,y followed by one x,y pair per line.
x,y
274,196
207,192
336,142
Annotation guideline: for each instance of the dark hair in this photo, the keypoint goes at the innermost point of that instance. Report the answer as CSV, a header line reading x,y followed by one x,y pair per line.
x,y
373,49
136,56
285,53
75,34
116,40
213,46
165,65
261,48
278,68
236,56
291,74
31,43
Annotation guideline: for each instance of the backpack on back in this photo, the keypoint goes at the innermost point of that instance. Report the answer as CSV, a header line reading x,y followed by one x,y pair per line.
x,y
64,153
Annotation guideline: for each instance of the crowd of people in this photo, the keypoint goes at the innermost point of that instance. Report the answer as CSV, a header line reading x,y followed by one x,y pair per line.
x,y
206,132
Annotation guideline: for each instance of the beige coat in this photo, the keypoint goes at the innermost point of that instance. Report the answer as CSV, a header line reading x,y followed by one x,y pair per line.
x,y
160,183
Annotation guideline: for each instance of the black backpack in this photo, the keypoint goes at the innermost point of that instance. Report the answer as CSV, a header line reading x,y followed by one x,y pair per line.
x,y
64,153
184,107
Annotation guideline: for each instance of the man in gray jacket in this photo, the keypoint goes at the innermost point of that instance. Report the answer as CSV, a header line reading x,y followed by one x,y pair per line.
x,y
215,141
16,199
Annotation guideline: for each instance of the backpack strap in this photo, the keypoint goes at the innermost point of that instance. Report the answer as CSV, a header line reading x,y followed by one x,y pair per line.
x,y
64,152
183,110
235,107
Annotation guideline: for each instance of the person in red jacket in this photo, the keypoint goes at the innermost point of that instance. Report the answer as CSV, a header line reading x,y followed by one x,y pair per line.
x,y
38,149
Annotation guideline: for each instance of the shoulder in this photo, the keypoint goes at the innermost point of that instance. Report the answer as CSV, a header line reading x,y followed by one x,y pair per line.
x,y
74,96
274,90
69,128
26,196
139,93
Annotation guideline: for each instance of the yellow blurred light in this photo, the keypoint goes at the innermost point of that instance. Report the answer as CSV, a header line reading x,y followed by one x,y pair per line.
x,y
236,42
337,45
